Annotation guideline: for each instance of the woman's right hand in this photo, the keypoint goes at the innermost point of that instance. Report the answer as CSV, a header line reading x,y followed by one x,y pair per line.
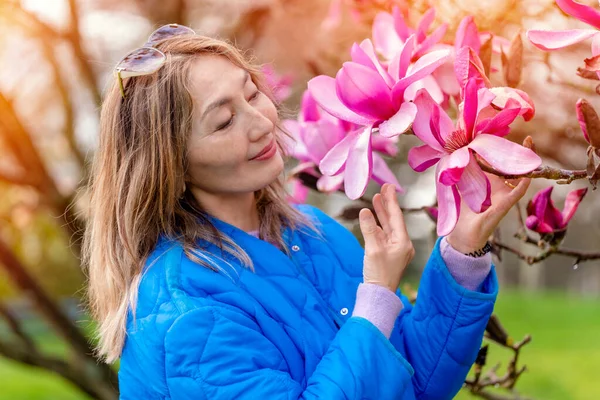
x,y
388,249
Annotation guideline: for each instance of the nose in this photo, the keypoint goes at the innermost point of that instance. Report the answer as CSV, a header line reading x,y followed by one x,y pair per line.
x,y
260,125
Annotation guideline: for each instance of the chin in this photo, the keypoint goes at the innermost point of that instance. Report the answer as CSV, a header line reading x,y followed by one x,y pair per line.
x,y
271,171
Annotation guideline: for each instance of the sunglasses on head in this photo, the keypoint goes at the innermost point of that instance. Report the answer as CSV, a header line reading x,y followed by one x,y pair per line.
x,y
147,59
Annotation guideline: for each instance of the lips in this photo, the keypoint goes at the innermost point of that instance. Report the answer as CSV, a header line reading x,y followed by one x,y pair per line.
x,y
265,150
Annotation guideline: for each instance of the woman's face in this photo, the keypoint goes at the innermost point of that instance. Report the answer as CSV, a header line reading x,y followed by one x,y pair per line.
x,y
232,148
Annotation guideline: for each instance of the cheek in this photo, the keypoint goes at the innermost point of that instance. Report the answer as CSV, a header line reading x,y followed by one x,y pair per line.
x,y
217,153
269,110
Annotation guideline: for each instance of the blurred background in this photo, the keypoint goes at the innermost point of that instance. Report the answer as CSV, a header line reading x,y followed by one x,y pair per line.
x,y
56,58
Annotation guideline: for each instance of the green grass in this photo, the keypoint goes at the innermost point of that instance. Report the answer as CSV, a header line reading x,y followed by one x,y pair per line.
x,y
564,356
563,359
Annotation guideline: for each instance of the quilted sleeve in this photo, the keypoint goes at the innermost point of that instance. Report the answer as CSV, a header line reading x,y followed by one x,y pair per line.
x,y
220,353
441,335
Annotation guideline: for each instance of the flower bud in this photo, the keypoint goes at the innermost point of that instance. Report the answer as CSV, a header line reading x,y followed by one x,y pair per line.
x,y
589,122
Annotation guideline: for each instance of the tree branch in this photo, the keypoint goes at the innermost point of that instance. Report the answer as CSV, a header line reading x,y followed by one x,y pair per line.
x,y
562,176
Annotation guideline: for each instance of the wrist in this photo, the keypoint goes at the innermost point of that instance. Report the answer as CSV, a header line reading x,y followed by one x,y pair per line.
x,y
465,246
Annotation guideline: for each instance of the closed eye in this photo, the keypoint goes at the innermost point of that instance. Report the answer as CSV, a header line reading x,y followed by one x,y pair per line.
x,y
255,95
226,124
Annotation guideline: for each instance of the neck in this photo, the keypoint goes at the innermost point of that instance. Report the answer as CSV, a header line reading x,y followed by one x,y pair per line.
x,y
237,209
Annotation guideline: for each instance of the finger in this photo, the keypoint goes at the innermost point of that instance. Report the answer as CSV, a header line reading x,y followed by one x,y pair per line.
x,y
396,217
369,228
513,196
382,215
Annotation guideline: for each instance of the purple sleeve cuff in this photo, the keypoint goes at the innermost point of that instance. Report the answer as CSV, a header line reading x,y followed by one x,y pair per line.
x,y
378,305
469,272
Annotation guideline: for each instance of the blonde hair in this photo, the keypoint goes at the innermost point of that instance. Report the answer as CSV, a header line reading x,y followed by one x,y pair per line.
x,y
136,188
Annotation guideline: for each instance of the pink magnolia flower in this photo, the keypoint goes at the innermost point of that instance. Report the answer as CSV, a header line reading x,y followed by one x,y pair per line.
x,y
467,35
468,65
553,40
390,34
455,149
316,132
371,96
544,218
281,85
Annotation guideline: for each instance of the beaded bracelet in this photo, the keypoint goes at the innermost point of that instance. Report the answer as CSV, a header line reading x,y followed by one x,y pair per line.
x,y
483,251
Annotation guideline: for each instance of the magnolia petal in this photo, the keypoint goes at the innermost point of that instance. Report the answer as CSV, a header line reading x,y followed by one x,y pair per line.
x,y
572,203
298,192
364,91
422,157
470,109
552,40
308,167
584,13
400,122
535,224
453,166
503,94
424,24
359,166
336,158
441,124
319,138
504,155
421,125
498,125
485,97
428,83
383,174
467,65
364,54
475,188
309,111
467,34
400,24
323,90
446,78
400,63
328,184
448,206
538,203
294,145
432,40
419,70
384,145
542,206
386,40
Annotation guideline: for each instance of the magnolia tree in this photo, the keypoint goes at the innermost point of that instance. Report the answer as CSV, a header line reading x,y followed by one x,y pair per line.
x,y
404,80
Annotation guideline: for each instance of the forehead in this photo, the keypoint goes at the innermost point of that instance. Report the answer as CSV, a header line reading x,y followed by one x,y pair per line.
x,y
213,77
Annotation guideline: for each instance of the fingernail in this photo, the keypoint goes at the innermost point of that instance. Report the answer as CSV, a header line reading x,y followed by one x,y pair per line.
x,y
365,215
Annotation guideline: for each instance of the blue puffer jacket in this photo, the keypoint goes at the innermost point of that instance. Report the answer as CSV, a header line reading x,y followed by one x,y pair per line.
x,y
286,331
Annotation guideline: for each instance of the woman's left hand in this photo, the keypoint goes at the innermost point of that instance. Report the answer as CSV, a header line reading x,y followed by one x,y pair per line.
x,y
473,230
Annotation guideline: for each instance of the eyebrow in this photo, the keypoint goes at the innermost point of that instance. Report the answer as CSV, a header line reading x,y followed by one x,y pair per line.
x,y
225,100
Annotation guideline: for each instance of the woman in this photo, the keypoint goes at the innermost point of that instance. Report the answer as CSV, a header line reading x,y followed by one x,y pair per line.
x,y
208,285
